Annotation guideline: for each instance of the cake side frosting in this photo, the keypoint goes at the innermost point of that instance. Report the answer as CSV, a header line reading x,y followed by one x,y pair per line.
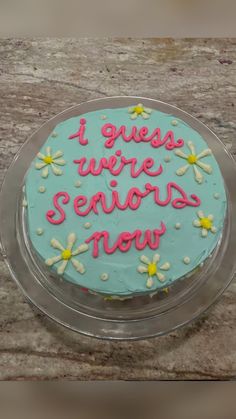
x,y
124,201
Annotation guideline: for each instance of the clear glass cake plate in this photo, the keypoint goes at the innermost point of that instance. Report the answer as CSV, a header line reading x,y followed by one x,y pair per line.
x,y
142,316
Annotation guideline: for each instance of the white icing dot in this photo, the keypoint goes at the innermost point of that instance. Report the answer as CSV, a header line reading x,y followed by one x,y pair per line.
x,y
78,183
167,159
103,117
174,122
104,276
42,189
39,231
24,203
216,195
87,225
186,260
54,134
177,226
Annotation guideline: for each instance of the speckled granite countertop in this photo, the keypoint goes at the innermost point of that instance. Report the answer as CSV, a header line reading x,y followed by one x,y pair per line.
x,y
40,78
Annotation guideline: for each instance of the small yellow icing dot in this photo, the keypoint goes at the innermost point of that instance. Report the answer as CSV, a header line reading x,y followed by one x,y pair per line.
x,y
39,231
206,223
48,159
66,254
152,269
192,159
174,122
138,109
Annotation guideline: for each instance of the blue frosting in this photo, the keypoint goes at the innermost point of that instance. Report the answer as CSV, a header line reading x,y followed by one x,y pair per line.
x,y
121,267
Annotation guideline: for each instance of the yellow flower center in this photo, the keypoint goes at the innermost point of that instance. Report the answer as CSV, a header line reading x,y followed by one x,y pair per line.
x,y
138,109
152,269
192,159
66,254
206,223
48,159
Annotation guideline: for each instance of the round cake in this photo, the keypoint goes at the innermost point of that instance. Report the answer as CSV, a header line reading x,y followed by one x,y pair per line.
x,y
124,201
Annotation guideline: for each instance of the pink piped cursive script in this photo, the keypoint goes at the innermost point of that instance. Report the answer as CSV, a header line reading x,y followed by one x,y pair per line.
x,y
80,133
115,165
112,133
124,241
51,213
133,201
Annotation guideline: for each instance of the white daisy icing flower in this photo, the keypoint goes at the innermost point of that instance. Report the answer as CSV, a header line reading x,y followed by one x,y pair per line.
x,y
205,223
193,160
50,160
139,110
66,255
152,269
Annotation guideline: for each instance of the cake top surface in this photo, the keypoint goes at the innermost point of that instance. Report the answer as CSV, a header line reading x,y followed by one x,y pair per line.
x,y
123,201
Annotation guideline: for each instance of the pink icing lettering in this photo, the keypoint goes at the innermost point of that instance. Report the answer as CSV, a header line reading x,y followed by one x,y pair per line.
x,y
177,202
80,133
112,133
51,213
134,200
124,241
109,164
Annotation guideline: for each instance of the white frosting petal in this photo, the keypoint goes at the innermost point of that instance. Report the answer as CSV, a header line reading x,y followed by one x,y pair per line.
x,y
40,165
48,151
165,266
60,162
160,276
58,154
191,147
54,259
204,153
61,268
145,259
78,266
45,172
156,258
71,240
142,269
200,214
134,115
56,170
57,245
149,282
81,249
182,170
204,232
206,167
198,176
180,153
